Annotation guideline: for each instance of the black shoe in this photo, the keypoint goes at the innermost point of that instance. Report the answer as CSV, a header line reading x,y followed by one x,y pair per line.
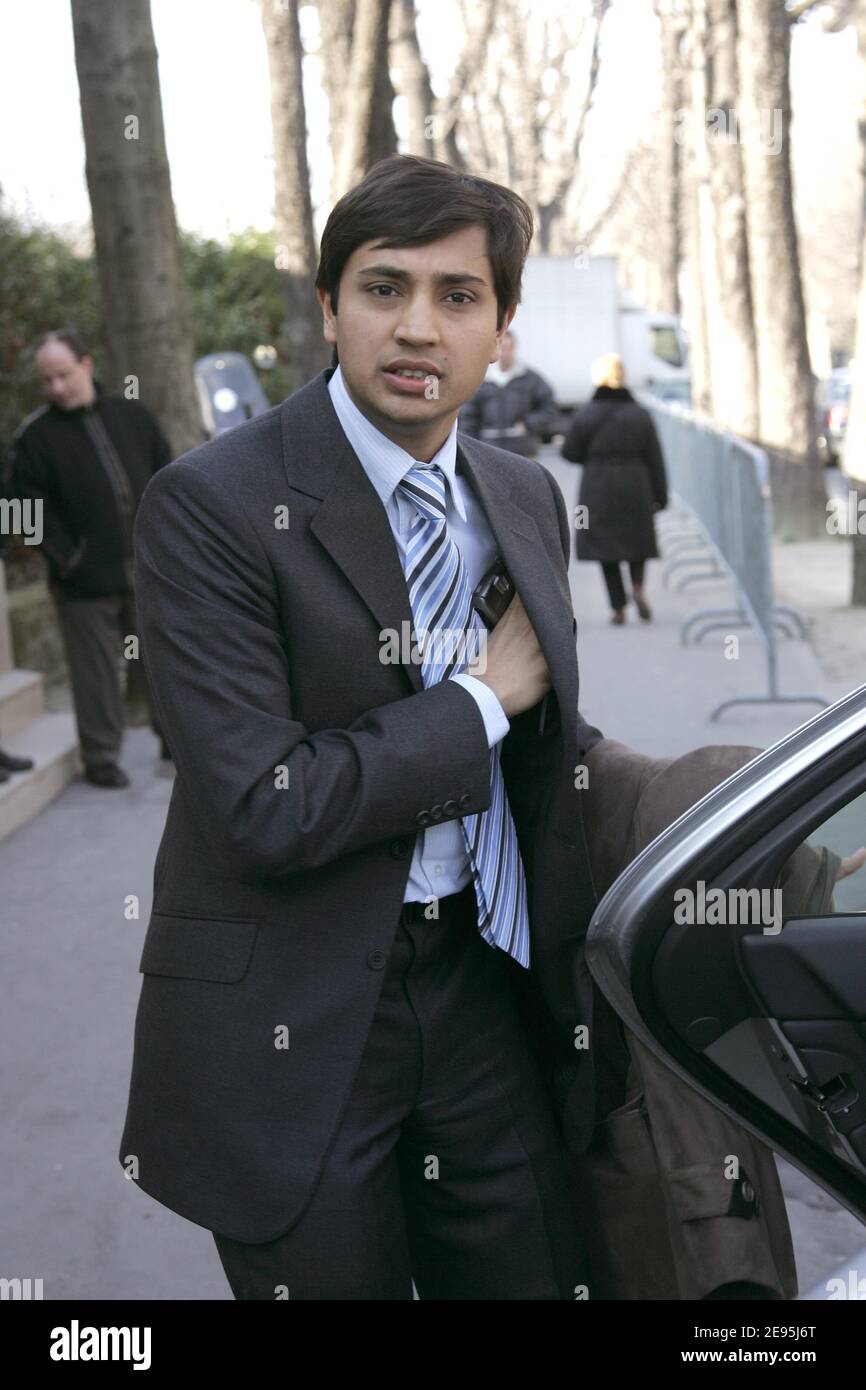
x,y
10,764
106,775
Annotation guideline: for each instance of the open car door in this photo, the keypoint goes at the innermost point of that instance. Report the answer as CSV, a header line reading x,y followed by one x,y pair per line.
x,y
703,949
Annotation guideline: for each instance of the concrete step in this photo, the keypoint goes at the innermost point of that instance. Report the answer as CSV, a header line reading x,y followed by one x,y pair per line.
x,y
52,742
21,700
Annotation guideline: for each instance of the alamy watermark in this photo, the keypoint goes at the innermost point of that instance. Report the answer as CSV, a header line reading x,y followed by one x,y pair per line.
x,y
760,129
22,517
729,907
846,516
441,645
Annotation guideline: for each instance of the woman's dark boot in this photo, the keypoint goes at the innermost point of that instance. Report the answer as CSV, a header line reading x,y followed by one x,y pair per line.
x,y
642,606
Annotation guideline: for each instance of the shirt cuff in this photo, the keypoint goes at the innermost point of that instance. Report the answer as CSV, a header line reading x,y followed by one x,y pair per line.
x,y
496,721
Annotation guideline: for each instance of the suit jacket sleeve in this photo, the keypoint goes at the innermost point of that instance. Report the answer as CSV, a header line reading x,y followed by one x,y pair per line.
x,y
587,734
214,648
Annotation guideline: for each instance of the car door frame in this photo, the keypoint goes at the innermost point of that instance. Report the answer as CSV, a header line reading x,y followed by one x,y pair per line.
x,y
749,824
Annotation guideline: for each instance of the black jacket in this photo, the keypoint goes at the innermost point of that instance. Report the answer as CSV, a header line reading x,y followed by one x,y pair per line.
x,y
89,466
624,480
275,904
525,399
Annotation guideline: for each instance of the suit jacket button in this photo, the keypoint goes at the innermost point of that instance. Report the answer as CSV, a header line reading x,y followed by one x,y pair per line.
x,y
399,848
436,812
464,801
449,808
377,960
423,818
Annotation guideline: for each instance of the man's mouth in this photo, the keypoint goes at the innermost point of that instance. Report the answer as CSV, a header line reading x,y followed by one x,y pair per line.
x,y
406,379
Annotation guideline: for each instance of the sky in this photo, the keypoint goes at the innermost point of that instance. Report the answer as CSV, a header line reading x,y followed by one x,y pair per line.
x,y
214,84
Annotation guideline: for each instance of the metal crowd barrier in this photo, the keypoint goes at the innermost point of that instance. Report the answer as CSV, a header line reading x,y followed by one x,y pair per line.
x,y
721,525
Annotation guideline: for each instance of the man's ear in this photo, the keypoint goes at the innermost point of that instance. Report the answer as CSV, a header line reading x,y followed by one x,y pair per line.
x,y
329,318
501,332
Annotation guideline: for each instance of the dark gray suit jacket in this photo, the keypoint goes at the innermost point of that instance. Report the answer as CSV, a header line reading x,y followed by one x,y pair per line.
x,y
305,769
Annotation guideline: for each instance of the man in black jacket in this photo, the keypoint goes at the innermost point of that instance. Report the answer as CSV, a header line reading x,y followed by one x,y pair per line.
x,y
85,457
513,407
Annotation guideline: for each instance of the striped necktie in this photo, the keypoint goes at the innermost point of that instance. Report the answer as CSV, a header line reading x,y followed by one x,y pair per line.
x,y
442,610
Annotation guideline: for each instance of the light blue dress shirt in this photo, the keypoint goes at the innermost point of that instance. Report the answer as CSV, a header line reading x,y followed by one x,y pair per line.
x,y
440,863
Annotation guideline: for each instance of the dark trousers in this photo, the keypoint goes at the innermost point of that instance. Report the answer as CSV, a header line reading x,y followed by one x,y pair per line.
x,y
94,633
447,1167
613,580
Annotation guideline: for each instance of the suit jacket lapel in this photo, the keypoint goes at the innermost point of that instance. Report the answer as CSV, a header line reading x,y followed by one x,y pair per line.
x,y
527,558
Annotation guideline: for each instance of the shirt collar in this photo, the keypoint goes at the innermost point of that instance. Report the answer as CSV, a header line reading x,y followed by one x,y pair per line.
x,y
386,463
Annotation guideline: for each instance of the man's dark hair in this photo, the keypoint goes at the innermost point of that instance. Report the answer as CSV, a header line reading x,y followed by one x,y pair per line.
x,y
63,335
409,201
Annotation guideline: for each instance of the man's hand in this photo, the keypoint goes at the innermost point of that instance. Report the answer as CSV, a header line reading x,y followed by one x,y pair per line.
x,y
516,670
850,864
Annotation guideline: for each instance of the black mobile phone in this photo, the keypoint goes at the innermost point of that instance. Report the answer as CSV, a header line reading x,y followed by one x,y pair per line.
x,y
491,597
493,593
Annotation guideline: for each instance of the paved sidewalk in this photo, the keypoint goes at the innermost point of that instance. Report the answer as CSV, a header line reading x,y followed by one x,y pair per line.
x,y
70,965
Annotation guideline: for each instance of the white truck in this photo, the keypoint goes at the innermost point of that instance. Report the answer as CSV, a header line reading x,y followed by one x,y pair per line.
x,y
572,310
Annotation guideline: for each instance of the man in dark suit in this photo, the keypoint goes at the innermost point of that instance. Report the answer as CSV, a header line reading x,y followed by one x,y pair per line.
x,y
361,1046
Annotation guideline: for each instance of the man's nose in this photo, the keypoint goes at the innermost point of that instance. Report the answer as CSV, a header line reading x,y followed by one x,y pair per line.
x,y
417,323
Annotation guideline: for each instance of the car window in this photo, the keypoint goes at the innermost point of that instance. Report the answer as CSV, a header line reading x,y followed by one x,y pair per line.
x,y
838,840
665,343
808,1068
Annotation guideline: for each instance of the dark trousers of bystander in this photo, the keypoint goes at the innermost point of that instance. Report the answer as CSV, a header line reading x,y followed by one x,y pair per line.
x,y
95,631
613,580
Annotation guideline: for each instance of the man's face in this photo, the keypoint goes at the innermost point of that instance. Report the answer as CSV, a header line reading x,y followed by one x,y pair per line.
x,y
506,352
431,309
64,380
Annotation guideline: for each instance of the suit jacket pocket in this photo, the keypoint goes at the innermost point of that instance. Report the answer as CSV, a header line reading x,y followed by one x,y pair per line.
x,y
199,948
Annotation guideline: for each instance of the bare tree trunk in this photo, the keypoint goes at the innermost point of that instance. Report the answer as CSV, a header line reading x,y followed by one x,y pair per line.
x,y
854,461
787,423
855,442
699,235
293,213
367,132
147,324
413,79
336,22
860,25
667,293
734,358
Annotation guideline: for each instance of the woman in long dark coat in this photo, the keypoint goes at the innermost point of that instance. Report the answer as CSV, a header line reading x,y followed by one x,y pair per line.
x,y
623,483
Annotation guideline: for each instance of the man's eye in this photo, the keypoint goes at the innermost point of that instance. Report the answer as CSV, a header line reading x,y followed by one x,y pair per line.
x,y
373,288
464,297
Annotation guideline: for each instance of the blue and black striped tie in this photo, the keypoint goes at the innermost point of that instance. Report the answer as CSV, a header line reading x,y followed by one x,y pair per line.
x,y
442,608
